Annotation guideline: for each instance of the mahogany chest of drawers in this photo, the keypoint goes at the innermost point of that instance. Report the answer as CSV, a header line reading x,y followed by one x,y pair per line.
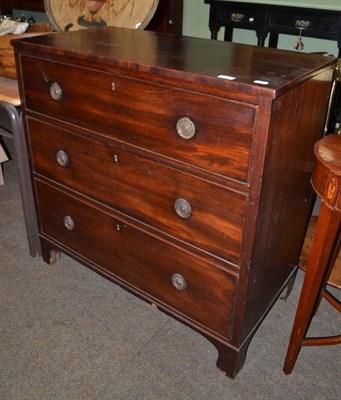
x,y
176,167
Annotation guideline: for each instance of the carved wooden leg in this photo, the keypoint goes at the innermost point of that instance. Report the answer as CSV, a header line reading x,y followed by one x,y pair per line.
x,y
50,254
273,40
230,361
228,34
331,264
261,35
54,256
326,232
214,33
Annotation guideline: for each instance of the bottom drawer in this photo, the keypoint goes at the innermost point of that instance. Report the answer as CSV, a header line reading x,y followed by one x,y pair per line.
x,y
167,274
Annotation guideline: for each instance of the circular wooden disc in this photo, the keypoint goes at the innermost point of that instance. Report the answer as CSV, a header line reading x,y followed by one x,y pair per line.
x,y
65,15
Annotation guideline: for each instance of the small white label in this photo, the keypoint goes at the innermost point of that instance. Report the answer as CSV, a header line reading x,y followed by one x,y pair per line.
x,y
261,82
227,77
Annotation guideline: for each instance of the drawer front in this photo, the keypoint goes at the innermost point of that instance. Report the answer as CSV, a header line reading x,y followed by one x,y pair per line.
x,y
146,115
202,213
199,290
313,25
239,16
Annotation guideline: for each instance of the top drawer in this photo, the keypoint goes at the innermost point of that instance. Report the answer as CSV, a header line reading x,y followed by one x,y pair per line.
x,y
151,116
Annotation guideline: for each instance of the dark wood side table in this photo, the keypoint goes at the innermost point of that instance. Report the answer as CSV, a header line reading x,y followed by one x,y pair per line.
x,y
326,181
272,19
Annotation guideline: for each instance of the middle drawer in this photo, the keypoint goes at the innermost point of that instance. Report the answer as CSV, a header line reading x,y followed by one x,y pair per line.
x,y
191,209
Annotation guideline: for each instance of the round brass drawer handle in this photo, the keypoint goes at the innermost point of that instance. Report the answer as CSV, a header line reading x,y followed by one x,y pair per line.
x,y
179,282
185,128
69,223
183,208
62,158
237,17
56,91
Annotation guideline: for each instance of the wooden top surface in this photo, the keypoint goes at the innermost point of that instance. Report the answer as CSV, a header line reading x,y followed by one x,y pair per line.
x,y
328,152
256,70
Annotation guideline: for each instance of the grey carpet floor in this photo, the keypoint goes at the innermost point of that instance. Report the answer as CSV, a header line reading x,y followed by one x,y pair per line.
x,y
68,333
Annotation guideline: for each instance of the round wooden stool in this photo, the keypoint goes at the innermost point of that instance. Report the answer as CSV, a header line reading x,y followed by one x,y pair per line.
x,y
326,181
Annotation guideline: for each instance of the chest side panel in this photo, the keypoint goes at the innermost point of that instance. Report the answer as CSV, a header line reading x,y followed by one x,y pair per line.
x,y
286,201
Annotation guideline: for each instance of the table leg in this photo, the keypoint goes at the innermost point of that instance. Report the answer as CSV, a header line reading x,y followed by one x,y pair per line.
x,y
228,34
273,40
214,33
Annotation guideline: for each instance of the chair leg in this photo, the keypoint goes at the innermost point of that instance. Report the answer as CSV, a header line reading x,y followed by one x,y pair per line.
x,y
24,179
331,263
326,232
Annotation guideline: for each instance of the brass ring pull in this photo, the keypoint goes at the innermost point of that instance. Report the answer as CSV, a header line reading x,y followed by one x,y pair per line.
x,y
179,282
183,208
185,128
69,223
302,24
62,158
237,17
56,92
